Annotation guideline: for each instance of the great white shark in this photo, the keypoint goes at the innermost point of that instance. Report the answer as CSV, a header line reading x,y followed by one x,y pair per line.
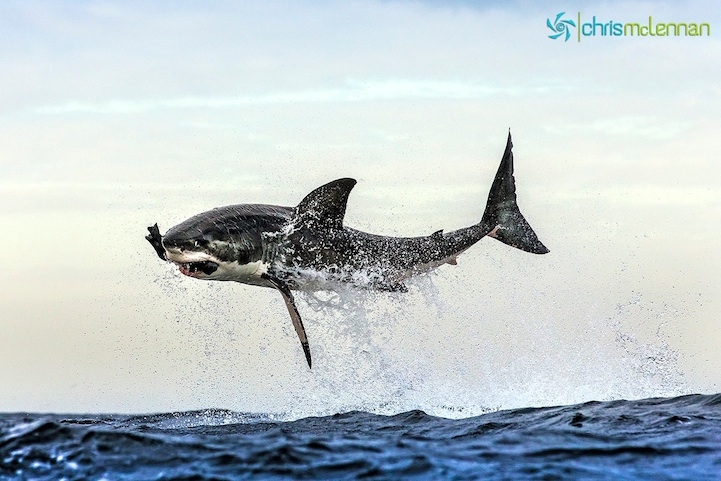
x,y
290,248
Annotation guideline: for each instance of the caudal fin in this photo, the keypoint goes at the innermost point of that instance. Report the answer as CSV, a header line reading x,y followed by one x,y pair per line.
x,y
502,217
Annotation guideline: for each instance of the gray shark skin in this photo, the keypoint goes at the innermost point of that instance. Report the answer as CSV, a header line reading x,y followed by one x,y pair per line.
x,y
298,248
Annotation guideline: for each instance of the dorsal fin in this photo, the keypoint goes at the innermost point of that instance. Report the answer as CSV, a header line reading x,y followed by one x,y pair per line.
x,y
325,206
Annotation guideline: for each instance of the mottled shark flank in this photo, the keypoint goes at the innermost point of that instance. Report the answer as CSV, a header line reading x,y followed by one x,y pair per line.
x,y
291,248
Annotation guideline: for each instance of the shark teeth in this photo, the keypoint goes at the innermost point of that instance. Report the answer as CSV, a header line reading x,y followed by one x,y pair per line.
x,y
194,269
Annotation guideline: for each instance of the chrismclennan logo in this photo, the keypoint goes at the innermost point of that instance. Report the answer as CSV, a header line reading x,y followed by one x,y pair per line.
x,y
561,28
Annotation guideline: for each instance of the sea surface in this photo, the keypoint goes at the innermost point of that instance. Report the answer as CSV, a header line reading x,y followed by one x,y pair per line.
x,y
656,439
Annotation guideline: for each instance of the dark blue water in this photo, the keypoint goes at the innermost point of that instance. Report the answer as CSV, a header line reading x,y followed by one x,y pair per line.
x,y
654,439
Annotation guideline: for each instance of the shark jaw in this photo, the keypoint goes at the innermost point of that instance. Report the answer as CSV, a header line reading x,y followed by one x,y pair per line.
x,y
198,269
199,265
205,266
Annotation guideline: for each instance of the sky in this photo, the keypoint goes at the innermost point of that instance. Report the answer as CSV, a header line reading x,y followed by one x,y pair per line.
x,y
117,115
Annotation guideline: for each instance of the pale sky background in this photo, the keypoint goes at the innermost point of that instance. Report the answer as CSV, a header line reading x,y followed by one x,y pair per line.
x,y
116,115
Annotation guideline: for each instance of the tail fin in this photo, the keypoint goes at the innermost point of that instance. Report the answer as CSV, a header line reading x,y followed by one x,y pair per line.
x,y
502,217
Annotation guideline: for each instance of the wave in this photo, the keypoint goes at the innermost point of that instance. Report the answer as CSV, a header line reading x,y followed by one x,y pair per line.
x,y
656,438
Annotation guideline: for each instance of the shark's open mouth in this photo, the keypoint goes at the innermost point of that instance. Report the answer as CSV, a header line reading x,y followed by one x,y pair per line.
x,y
192,269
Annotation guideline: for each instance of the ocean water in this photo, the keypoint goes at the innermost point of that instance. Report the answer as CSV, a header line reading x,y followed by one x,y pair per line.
x,y
655,439
355,415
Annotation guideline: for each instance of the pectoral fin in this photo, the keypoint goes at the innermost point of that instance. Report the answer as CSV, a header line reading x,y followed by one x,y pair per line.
x,y
292,310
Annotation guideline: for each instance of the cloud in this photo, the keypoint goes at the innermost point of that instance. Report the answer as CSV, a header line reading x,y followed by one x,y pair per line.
x,y
638,126
642,195
353,91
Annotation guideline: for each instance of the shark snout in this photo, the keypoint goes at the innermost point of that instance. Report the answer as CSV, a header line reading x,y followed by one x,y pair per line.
x,y
183,243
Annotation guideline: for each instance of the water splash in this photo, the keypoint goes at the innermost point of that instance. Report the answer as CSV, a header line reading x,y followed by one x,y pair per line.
x,y
428,349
